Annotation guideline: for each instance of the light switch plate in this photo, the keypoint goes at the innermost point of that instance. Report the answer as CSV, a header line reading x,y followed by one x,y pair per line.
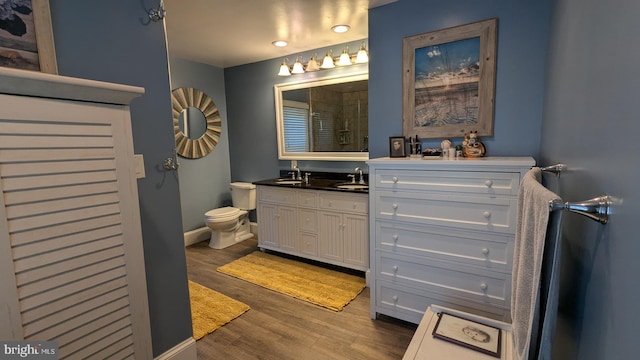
x,y
139,158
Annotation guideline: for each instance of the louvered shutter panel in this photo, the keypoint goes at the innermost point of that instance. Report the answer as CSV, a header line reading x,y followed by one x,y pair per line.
x,y
70,230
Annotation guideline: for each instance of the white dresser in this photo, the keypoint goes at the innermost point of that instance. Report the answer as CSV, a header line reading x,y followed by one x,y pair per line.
x,y
327,226
442,233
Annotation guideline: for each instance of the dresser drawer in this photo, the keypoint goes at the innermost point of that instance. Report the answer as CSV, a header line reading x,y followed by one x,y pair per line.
x,y
409,304
445,278
488,250
472,182
467,212
308,198
276,195
343,202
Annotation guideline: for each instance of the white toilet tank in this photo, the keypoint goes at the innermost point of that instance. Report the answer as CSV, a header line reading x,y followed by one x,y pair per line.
x,y
243,195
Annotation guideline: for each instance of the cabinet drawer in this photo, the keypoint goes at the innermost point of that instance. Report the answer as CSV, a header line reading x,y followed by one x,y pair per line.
x,y
276,195
308,220
474,182
467,212
488,250
446,278
343,202
409,304
307,199
309,244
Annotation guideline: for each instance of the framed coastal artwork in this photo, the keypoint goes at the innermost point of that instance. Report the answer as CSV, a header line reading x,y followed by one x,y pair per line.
x,y
26,37
449,81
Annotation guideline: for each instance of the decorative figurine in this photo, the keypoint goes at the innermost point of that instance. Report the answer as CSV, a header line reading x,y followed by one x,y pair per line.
x,y
472,146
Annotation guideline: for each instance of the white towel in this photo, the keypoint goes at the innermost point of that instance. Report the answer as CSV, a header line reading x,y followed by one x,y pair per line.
x,y
531,229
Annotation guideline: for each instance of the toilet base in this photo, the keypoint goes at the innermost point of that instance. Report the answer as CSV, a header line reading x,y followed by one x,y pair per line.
x,y
223,239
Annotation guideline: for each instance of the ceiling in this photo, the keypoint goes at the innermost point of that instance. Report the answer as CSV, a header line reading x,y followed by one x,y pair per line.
x,y
227,33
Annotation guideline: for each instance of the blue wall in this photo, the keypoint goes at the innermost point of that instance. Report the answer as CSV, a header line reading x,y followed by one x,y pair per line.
x,y
591,124
113,41
522,48
204,182
252,122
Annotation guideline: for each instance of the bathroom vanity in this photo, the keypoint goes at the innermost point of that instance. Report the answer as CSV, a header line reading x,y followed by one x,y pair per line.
x,y
442,232
317,222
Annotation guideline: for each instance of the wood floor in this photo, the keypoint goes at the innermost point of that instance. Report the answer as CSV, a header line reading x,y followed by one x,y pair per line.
x,y
281,327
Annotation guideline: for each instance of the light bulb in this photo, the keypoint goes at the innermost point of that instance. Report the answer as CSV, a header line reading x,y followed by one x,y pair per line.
x,y
345,59
327,63
297,67
312,65
362,56
284,69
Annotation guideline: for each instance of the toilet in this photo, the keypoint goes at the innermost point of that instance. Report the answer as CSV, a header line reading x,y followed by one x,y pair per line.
x,y
230,225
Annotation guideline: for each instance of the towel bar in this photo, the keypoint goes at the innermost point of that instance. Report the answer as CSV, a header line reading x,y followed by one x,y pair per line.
x,y
556,169
596,208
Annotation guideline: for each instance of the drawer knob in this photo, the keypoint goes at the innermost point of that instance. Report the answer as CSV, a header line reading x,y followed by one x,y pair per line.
x,y
488,183
394,298
485,251
484,286
330,203
486,214
394,179
355,205
394,206
395,238
395,268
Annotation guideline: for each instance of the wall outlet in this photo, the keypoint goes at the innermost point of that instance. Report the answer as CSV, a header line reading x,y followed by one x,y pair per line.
x,y
294,164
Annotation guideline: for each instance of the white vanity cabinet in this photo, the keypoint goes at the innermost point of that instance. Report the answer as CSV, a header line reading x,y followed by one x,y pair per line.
x,y
343,228
278,209
442,233
326,226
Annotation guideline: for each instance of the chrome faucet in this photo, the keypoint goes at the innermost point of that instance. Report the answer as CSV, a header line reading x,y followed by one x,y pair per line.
x,y
361,177
297,175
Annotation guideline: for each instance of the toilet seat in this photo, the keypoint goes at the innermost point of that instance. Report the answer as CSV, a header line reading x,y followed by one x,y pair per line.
x,y
222,214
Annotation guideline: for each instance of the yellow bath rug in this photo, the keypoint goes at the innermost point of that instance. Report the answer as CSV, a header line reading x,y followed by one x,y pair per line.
x,y
210,310
317,285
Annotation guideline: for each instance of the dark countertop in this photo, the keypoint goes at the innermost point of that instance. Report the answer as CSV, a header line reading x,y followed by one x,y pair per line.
x,y
315,184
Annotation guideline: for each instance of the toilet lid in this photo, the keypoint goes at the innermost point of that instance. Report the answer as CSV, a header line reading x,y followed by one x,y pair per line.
x,y
222,213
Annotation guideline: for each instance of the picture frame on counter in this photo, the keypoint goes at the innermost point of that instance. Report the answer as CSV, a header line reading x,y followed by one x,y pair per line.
x,y
397,148
473,335
449,81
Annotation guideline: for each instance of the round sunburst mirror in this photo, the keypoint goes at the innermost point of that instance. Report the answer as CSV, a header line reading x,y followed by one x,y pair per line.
x,y
196,122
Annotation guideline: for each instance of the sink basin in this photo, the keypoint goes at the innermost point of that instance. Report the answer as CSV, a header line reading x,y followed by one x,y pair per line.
x,y
288,181
353,186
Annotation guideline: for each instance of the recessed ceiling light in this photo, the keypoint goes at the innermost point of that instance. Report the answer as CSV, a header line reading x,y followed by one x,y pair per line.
x,y
340,28
279,43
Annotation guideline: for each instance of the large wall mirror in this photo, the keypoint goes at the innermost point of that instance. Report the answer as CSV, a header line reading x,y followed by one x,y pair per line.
x,y
323,119
196,122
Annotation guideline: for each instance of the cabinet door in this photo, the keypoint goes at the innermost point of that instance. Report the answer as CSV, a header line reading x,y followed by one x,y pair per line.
x,y
355,236
71,257
288,228
330,244
268,229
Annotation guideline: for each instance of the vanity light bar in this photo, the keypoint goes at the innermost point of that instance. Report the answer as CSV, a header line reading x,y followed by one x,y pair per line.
x,y
328,62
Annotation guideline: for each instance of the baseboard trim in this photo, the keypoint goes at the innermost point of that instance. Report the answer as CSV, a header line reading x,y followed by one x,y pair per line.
x,y
186,350
197,235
